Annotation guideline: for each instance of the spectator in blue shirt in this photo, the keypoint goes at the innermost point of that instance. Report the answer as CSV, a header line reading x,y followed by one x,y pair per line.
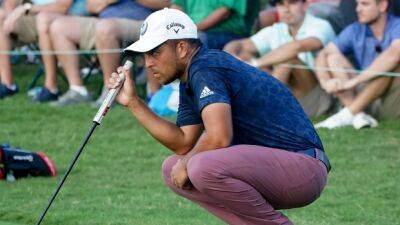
x,y
243,146
374,42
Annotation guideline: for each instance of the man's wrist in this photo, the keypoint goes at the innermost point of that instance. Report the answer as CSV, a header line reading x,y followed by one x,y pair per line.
x,y
27,7
133,103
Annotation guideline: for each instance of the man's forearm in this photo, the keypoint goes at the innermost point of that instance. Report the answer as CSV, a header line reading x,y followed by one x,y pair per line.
x,y
215,18
154,4
205,143
164,131
385,62
279,55
320,62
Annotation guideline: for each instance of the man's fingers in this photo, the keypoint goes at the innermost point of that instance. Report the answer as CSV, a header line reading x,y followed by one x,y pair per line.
x,y
114,81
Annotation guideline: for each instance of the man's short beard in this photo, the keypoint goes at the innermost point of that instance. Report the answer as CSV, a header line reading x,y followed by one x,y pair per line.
x,y
373,21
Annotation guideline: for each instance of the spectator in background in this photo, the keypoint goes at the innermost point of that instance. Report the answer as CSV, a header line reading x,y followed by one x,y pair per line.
x,y
30,23
336,12
220,22
295,41
118,24
374,41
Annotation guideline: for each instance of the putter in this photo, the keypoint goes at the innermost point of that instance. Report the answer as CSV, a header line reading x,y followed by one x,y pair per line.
x,y
108,101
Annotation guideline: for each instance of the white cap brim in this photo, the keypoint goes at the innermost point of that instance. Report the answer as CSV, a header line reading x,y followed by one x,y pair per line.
x,y
145,44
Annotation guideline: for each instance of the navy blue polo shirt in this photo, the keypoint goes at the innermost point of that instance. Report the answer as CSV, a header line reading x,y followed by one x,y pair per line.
x,y
264,112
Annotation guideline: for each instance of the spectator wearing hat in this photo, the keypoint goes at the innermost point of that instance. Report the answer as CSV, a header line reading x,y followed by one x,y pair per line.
x,y
243,146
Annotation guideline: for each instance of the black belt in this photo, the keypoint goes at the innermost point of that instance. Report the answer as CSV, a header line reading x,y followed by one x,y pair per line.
x,y
318,154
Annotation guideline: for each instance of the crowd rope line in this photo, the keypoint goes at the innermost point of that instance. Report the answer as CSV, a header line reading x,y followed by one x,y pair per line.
x,y
120,50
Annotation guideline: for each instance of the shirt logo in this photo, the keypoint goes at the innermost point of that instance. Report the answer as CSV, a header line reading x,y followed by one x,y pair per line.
x,y
143,28
206,92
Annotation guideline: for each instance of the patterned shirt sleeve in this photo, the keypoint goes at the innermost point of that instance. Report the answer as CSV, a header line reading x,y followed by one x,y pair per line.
x,y
209,87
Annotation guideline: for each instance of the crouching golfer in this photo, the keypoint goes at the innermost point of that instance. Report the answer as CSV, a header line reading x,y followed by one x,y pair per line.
x,y
243,145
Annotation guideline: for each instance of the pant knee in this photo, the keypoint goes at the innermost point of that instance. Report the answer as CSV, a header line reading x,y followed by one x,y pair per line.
x,y
203,171
167,167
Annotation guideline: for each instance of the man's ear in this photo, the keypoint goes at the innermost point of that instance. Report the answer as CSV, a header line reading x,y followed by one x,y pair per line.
x,y
384,6
182,49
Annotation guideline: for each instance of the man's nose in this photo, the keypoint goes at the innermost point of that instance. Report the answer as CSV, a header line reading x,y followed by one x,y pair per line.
x,y
148,61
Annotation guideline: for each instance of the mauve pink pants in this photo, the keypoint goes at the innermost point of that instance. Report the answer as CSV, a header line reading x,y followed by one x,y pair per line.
x,y
246,184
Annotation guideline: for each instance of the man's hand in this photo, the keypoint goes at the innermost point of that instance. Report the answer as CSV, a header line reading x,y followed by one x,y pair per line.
x,y
179,175
128,92
10,23
333,85
350,84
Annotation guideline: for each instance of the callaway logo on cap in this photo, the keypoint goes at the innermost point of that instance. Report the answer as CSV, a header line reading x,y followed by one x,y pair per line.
x,y
163,25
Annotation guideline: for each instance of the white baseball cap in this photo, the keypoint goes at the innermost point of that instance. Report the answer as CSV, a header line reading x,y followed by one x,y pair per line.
x,y
163,25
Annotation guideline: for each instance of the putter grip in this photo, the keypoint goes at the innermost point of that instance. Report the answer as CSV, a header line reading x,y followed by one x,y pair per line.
x,y
112,93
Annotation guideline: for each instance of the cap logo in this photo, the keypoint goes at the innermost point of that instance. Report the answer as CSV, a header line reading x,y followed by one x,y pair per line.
x,y
176,27
143,28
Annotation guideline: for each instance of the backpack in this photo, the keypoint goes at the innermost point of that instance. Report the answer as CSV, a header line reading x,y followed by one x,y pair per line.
x,y
166,101
17,163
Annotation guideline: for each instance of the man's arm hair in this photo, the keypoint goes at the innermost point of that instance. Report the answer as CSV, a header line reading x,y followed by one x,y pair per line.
x,y
218,131
387,61
289,51
179,139
244,49
154,4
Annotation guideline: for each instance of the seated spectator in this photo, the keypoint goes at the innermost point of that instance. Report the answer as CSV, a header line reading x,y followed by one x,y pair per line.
x,y
374,41
220,22
330,10
30,23
295,41
117,25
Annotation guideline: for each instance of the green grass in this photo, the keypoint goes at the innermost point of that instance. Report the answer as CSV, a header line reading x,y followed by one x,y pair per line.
x,y
117,178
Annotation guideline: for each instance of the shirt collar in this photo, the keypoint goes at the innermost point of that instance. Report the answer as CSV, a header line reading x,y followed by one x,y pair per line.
x,y
200,51
303,27
389,21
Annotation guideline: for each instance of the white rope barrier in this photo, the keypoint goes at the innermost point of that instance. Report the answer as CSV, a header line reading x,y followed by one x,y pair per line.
x,y
115,51
67,52
339,70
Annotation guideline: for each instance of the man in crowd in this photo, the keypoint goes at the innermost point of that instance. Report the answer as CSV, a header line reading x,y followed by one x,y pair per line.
x,y
374,42
295,41
117,25
30,23
243,145
220,21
